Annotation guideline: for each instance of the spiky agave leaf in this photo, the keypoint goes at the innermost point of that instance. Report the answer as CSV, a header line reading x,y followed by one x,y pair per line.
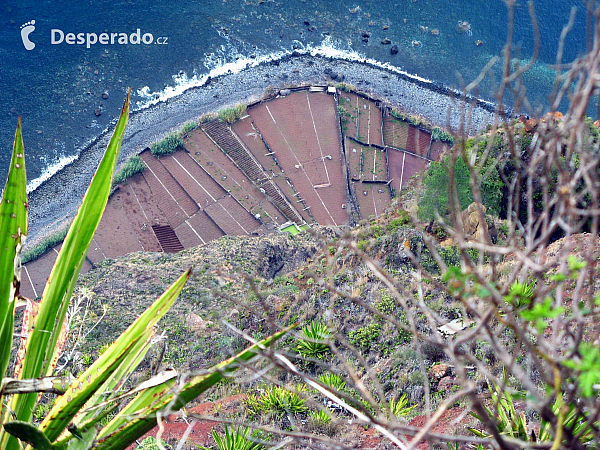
x,y
139,416
41,349
86,385
13,230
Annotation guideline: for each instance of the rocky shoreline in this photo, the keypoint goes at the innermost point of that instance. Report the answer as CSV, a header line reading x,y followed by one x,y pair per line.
x,y
55,201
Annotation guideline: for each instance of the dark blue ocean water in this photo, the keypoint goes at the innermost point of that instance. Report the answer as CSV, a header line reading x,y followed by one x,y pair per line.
x,y
57,88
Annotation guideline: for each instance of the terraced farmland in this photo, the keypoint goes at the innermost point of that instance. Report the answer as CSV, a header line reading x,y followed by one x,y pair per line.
x,y
306,156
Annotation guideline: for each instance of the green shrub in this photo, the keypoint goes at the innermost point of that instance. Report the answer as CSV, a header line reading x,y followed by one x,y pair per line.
x,y
377,231
365,337
189,127
167,146
386,304
403,219
362,244
133,166
436,190
440,135
314,340
230,115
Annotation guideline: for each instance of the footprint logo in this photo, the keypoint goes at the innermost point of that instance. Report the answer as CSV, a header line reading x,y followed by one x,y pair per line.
x,y
26,30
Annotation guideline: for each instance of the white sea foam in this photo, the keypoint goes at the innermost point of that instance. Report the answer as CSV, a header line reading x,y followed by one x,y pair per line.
x,y
229,60
51,170
217,66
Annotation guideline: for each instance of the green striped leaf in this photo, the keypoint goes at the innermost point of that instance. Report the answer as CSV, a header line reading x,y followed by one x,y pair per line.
x,y
13,230
69,404
139,416
28,433
109,391
41,344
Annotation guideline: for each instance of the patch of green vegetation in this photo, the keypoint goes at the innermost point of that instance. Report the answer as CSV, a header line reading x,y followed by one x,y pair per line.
x,y
377,231
386,304
436,196
232,114
365,337
313,342
151,443
274,401
440,135
398,115
134,165
333,380
345,87
189,127
402,220
44,246
167,146
235,438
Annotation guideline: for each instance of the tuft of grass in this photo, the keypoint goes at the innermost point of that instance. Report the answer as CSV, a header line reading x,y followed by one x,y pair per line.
x,y
333,380
313,343
400,408
235,438
167,146
230,115
133,166
320,417
52,240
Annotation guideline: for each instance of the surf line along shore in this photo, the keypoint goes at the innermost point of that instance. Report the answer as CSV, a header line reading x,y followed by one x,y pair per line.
x,y
55,201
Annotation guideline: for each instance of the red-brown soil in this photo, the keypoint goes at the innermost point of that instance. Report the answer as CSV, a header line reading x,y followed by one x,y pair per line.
x,y
288,127
395,132
402,166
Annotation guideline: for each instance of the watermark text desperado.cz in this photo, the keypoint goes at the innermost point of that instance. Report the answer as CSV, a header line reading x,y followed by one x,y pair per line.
x,y
89,39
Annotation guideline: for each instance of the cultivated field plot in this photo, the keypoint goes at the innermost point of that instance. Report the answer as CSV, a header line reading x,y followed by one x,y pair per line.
x,y
172,200
309,154
280,190
418,141
115,235
361,118
140,212
354,158
203,189
207,229
222,169
437,148
395,132
251,138
400,134
402,166
35,274
372,198
374,164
